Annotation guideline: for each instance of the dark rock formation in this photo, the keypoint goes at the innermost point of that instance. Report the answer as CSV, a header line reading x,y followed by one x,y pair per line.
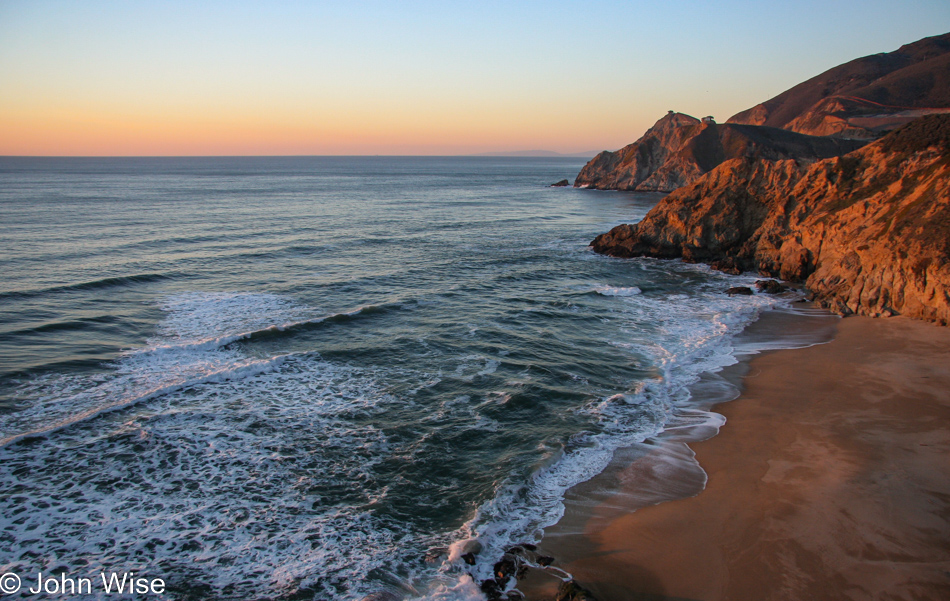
x,y
770,286
571,591
561,184
491,589
867,233
740,290
506,568
864,97
678,149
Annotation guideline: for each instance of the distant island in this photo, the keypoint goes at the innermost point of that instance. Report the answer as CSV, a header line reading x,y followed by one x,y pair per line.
x,y
537,153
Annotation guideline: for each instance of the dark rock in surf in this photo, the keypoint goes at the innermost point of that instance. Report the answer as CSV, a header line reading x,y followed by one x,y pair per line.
x,y
470,549
770,286
740,290
506,568
726,265
561,184
491,589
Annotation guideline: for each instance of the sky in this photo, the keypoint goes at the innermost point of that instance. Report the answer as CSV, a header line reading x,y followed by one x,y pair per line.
x,y
101,78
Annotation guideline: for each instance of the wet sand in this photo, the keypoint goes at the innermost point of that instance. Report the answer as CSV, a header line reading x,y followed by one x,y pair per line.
x,y
830,480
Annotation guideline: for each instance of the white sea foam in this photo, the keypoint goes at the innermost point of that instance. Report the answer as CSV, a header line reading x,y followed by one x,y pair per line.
x,y
606,290
213,474
221,470
691,335
190,349
225,479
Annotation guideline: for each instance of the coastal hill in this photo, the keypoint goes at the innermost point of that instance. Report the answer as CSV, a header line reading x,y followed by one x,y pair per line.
x,y
829,115
678,149
867,233
864,97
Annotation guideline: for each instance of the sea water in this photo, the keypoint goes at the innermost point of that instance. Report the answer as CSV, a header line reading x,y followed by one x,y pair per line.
x,y
317,377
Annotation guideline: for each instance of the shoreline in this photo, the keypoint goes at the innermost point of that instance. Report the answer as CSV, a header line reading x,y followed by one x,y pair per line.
x,y
848,498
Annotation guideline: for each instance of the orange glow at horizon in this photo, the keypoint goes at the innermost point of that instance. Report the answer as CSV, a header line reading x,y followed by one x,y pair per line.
x,y
124,131
104,78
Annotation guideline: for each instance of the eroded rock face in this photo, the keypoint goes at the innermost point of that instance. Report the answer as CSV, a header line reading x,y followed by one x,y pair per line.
x,y
633,166
679,149
867,233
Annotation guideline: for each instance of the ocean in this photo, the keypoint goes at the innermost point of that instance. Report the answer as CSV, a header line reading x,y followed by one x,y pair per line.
x,y
320,377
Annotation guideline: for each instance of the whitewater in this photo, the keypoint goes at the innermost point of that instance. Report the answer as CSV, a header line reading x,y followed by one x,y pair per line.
x,y
322,377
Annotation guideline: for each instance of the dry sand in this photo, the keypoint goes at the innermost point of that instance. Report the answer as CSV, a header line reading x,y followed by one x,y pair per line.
x,y
830,480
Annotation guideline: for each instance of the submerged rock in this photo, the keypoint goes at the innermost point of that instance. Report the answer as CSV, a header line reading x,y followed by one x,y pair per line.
x,y
770,286
740,290
492,589
506,568
726,265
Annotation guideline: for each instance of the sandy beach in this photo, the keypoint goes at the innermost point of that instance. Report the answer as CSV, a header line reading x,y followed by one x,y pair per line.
x,y
830,480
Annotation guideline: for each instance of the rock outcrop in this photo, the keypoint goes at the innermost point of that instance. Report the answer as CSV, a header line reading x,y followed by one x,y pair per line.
x,y
679,149
867,233
864,97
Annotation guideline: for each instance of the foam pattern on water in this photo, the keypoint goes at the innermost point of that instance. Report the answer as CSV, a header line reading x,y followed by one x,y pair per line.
x,y
692,334
255,478
191,348
225,482
259,446
617,290
248,477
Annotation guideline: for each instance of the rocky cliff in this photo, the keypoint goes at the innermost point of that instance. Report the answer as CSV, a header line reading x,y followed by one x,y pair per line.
x,y
678,149
864,97
867,233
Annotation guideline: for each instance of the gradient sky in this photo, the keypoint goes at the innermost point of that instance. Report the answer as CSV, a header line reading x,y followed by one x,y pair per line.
x,y
302,78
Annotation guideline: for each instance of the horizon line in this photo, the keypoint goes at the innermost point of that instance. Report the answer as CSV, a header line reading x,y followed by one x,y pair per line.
x,y
484,155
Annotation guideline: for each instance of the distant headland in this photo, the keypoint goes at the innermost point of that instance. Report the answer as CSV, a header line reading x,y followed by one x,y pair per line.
x,y
841,182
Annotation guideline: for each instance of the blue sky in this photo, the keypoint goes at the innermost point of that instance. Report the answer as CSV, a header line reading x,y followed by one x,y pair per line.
x,y
408,77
